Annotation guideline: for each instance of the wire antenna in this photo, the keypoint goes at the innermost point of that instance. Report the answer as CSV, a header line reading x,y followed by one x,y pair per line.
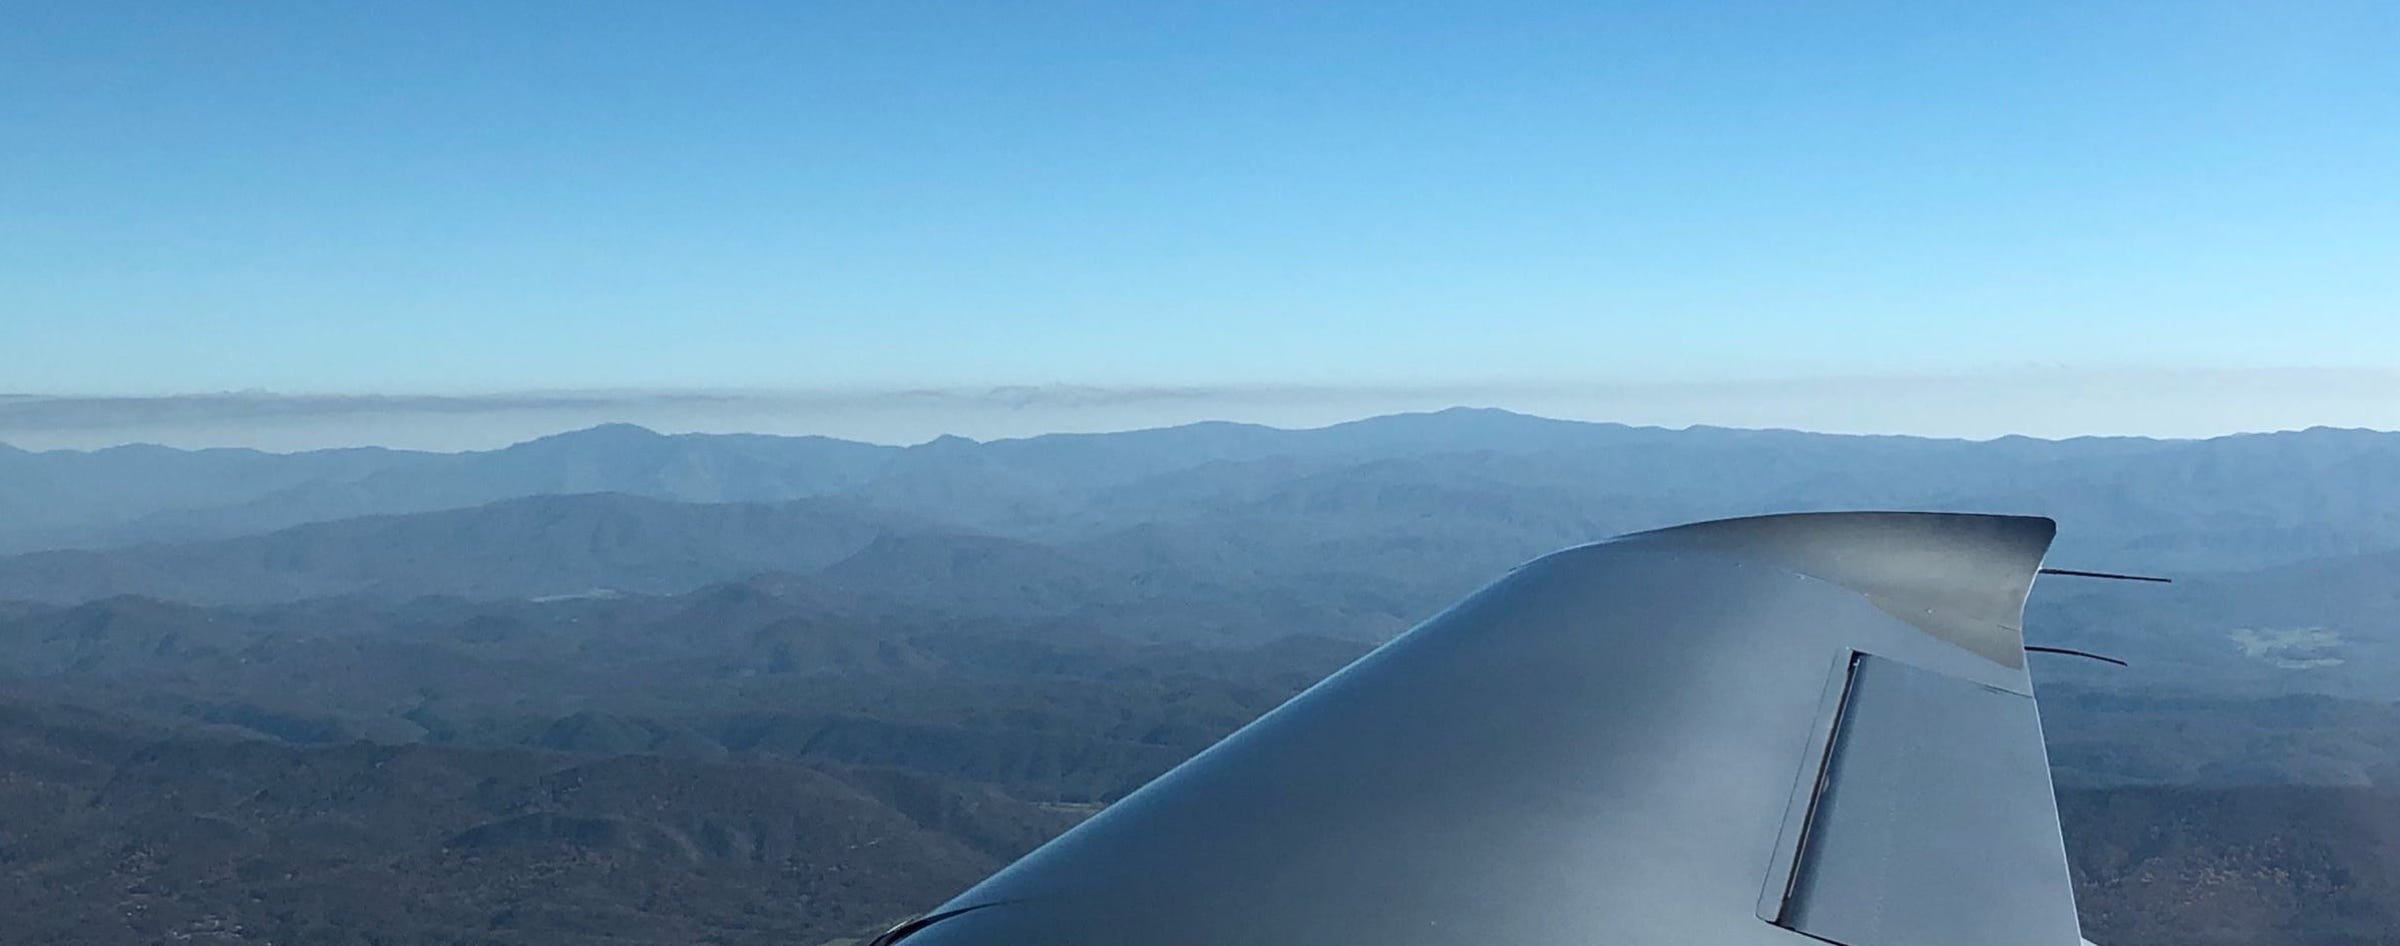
x,y
2072,652
2077,573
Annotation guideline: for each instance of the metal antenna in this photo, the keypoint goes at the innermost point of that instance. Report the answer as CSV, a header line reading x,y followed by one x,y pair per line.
x,y
2072,652
2109,575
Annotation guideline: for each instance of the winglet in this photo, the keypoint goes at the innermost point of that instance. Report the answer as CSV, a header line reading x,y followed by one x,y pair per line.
x,y
1957,576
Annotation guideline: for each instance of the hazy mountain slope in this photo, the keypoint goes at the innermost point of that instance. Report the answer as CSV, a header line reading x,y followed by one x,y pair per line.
x,y
516,548
2222,503
609,543
129,495
616,458
2328,625
1403,537
1333,545
975,572
66,497
2229,502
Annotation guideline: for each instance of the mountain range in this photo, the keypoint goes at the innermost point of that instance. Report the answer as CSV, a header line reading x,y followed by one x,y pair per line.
x,y
2230,502
2283,544
613,685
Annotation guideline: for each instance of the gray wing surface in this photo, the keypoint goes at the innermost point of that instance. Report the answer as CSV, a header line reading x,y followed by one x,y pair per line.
x,y
1776,730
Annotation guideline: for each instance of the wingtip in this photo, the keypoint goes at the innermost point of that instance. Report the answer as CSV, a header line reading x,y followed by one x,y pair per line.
x,y
1962,577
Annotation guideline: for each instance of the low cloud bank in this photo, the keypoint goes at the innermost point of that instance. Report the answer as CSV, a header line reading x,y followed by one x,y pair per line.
x,y
2037,402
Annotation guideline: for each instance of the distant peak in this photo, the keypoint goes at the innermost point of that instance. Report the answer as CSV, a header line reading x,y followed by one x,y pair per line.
x,y
1464,412
620,429
1461,417
604,433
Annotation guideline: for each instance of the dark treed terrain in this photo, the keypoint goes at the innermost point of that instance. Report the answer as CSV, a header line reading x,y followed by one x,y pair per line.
x,y
613,686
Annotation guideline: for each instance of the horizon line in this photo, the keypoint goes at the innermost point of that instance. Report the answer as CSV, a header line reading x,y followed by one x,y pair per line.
x,y
657,431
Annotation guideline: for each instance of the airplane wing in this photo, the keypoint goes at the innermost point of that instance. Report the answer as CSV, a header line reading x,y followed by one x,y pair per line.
x,y
1775,730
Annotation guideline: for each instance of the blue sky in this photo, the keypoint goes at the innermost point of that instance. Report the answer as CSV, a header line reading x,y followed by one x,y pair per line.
x,y
465,198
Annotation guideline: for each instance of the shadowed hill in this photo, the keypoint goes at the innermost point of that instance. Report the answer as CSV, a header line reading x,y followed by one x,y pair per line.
x,y
119,831
1052,707
2237,866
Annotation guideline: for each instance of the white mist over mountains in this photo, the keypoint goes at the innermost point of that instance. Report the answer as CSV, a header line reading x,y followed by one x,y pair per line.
x,y
2048,402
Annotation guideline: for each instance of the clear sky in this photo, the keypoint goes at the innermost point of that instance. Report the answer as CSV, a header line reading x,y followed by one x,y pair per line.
x,y
431,198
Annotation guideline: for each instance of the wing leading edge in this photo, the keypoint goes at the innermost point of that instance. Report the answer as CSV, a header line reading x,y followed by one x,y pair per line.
x,y
1773,730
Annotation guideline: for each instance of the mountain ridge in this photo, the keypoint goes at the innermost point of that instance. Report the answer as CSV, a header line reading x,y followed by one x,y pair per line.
x,y
2232,502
